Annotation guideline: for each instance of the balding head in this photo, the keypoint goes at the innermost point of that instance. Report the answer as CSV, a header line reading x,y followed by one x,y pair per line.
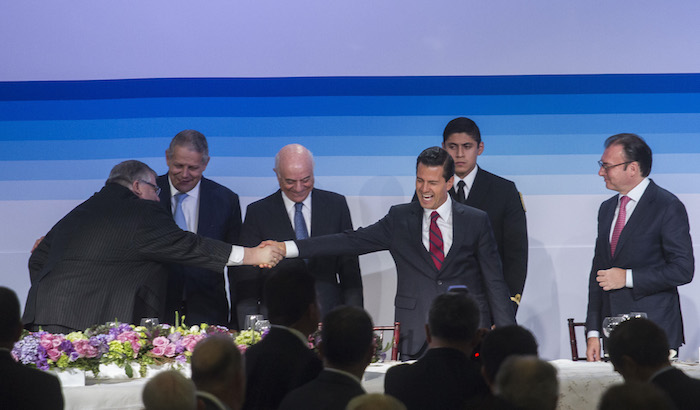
x,y
169,390
294,166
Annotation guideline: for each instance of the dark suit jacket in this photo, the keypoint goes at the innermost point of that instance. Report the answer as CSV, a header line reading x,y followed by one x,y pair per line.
x,y
656,245
442,379
268,219
683,390
472,261
275,366
329,391
204,290
500,199
105,260
26,388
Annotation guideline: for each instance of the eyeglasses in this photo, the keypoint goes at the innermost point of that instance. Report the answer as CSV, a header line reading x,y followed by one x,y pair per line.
x,y
607,167
155,187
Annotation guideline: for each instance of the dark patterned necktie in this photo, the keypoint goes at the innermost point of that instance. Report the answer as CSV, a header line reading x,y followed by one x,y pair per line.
x,y
436,247
461,197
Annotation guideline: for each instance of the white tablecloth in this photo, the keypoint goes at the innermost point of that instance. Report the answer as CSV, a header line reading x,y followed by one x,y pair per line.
x,y
581,386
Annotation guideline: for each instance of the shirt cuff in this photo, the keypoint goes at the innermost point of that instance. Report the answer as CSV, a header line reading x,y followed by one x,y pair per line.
x,y
236,256
292,249
592,333
628,281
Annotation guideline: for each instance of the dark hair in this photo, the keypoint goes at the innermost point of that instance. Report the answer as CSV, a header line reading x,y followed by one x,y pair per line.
x,y
125,173
633,395
435,157
288,293
462,124
454,316
215,362
640,339
503,342
9,319
635,148
346,335
192,139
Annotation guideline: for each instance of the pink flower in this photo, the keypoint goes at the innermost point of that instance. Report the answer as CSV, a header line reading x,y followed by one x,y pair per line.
x,y
158,351
84,348
53,354
170,350
242,348
190,341
161,341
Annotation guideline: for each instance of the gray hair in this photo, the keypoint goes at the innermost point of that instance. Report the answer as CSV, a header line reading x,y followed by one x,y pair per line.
x,y
191,139
528,382
125,173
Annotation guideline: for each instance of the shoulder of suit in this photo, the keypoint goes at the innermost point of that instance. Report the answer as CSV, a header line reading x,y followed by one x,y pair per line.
x,y
493,178
267,201
327,194
208,184
458,207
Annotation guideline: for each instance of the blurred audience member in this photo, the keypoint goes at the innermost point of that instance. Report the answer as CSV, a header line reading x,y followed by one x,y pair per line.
x,y
375,401
217,372
528,383
169,390
635,395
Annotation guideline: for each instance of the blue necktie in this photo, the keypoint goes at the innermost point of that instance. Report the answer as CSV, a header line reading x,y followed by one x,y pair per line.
x,y
179,214
300,222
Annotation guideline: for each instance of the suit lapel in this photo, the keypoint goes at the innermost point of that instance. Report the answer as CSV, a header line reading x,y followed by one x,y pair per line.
x,y
641,213
279,216
457,235
415,230
319,214
206,214
478,191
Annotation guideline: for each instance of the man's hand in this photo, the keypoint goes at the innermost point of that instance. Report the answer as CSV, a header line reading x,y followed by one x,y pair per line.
x,y
613,278
262,256
37,242
593,349
282,247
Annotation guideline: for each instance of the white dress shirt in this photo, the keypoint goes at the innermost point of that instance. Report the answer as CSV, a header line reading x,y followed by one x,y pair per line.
x,y
468,181
444,222
190,205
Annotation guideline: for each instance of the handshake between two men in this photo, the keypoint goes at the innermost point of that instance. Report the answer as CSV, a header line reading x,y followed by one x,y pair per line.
x,y
266,255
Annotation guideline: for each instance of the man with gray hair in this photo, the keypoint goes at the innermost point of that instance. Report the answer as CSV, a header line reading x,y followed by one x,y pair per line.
x,y
296,211
528,382
105,260
169,390
204,207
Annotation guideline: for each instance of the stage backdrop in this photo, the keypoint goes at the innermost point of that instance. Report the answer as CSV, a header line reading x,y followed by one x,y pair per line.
x,y
366,87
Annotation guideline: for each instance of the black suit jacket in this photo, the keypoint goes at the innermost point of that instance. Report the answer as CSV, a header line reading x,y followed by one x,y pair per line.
x,y
656,245
329,391
26,388
106,259
205,291
275,366
268,219
683,390
472,261
442,379
500,199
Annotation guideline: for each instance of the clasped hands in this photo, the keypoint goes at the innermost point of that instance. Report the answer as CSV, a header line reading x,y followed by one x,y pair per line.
x,y
266,255
613,278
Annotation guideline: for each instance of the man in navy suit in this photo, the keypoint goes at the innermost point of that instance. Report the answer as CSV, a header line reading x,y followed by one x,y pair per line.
x,y
643,251
338,279
436,243
201,206
496,196
639,351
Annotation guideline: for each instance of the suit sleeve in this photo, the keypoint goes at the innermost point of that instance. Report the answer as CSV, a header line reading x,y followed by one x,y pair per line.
x,y
594,315
348,265
678,265
515,245
492,273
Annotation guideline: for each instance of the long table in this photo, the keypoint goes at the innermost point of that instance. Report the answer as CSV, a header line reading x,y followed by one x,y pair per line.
x,y
581,386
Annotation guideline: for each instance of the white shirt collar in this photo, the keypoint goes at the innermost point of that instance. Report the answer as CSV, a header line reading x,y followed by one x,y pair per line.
x,y
289,204
636,193
444,210
468,180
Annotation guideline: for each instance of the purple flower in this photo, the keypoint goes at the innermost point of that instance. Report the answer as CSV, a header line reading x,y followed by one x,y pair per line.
x,y
181,359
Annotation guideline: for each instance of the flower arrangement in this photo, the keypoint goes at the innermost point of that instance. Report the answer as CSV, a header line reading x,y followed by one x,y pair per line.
x,y
121,344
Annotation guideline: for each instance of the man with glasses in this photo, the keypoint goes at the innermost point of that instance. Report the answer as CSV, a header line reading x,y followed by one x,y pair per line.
x,y
204,207
106,260
643,251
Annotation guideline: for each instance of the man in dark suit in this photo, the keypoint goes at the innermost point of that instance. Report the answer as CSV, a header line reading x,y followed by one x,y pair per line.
x,y
446,377
436,243
347,347
643,251
283,361
338,279
218,374
106,259
496,196
203,207
638,349
21,387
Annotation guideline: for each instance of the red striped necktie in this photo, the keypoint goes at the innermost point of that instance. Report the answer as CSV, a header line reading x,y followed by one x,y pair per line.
x,y
436,247
619,224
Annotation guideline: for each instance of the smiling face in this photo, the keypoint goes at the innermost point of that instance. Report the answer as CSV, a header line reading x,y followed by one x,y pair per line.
x,y
621,177
295,172
185,168
464,150
431,187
